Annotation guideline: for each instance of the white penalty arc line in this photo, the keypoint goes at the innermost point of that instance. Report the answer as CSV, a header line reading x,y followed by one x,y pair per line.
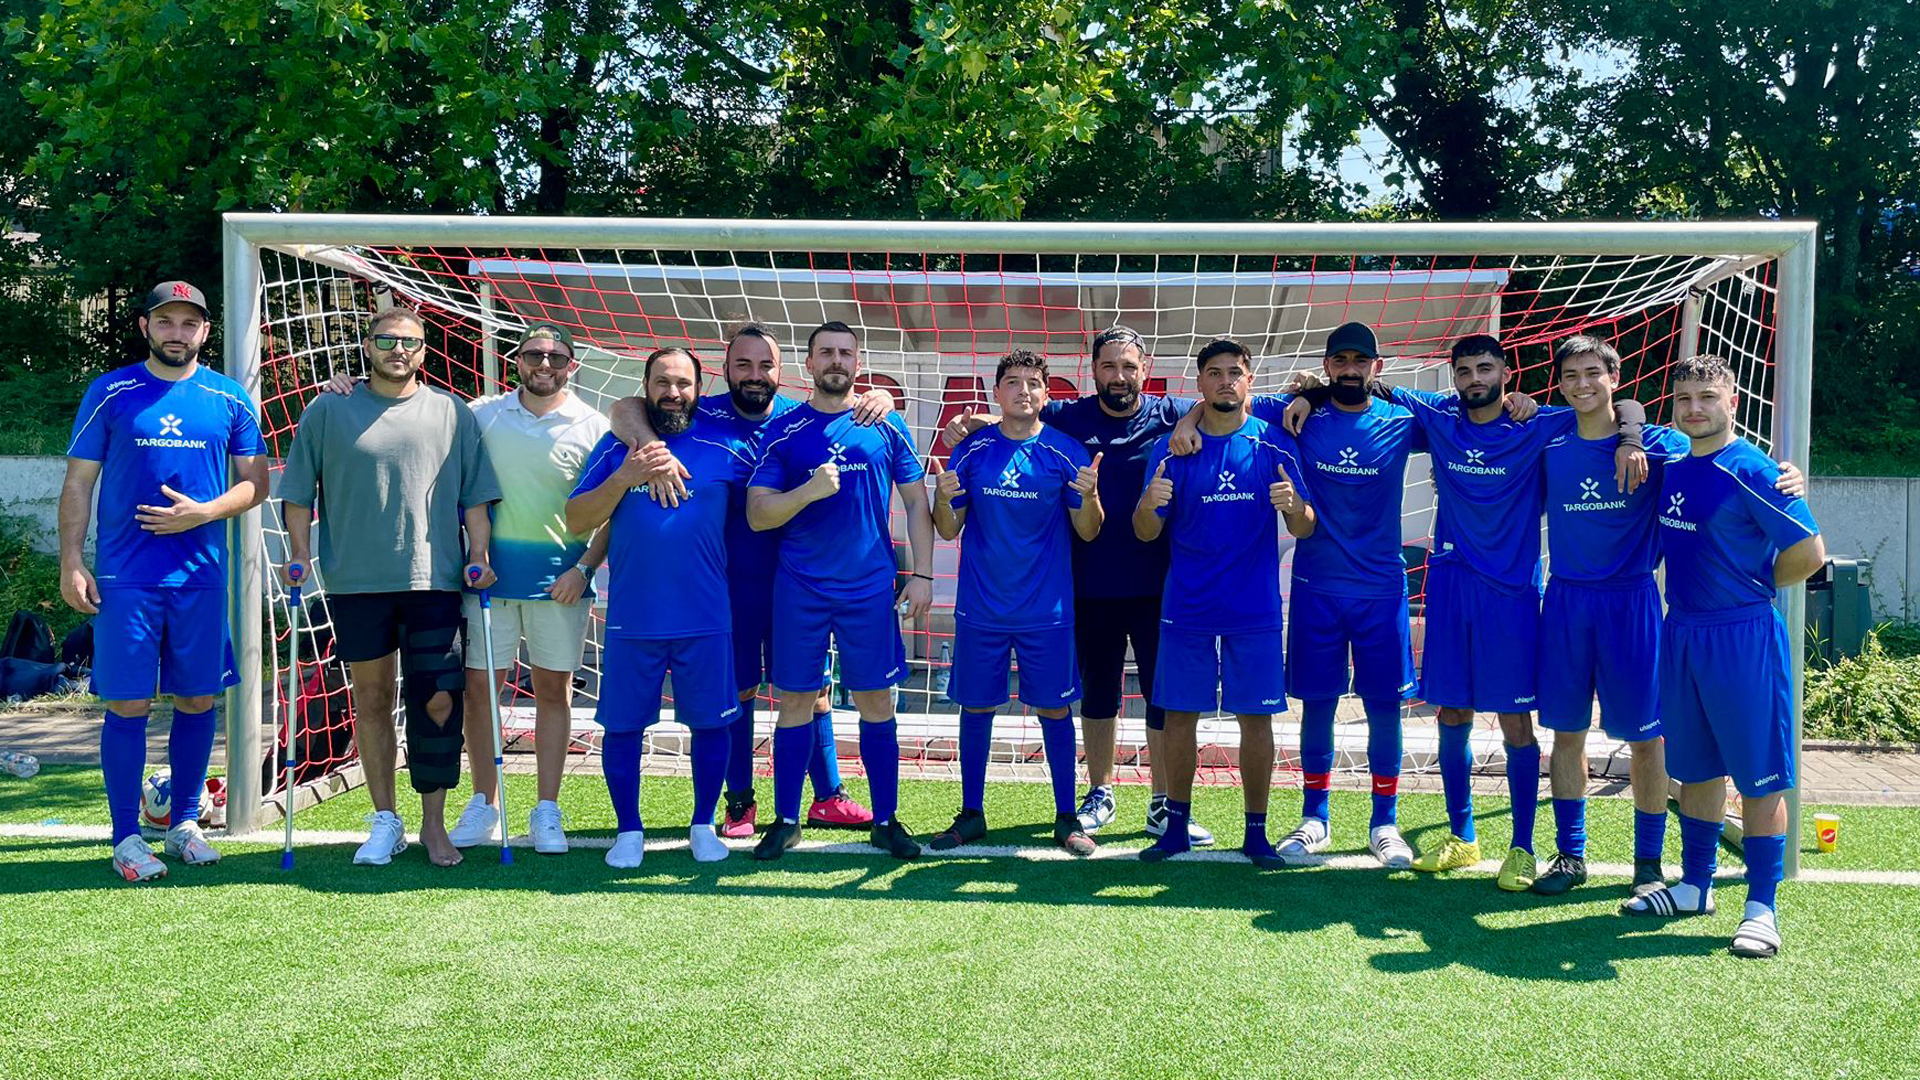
x,y
677,842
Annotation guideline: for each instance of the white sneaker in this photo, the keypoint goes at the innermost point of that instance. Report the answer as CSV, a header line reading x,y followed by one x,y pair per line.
x,y
1096,810
133,860
706,844
544,824
1308,838
388,838
476,823
187,843
1390,847
628,849
1197,834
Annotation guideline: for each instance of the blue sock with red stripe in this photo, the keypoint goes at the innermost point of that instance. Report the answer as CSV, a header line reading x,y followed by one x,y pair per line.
x,y
1456,777
1316,756
1383,760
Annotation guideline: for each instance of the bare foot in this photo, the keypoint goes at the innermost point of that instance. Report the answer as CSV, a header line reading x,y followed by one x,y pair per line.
x,y
440,849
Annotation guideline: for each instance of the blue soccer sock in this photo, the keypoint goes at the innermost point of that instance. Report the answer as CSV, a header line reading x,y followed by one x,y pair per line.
x,y
740,750
1383,760
1699,851
976,737
1256,844
189,748
1570,827
1316,756
880,753
1649,834
1176,839
824,766
123,758
711,748
1766,864
1523,788
1456,777
620,761
791,746
1056,738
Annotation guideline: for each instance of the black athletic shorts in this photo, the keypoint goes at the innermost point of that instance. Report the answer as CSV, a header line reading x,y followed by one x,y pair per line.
x,y
1102,629
368,626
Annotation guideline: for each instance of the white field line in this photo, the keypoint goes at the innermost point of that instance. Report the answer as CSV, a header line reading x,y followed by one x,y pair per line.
x,y
677,842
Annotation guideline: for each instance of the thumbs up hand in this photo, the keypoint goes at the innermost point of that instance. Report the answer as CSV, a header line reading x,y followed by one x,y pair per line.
x,y
1159,489
1087,480
1282,493
946,485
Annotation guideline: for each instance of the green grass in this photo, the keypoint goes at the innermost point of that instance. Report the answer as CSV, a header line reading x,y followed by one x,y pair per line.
x,y
835,965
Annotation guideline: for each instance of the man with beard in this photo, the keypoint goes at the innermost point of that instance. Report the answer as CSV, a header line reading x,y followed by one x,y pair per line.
x,y
1221,639
828,482
1117,577
750,402
1726,678
397,469
175,449
537,439
666,564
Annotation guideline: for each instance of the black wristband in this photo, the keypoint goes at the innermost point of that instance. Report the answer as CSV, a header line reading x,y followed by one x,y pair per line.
x,y
924,577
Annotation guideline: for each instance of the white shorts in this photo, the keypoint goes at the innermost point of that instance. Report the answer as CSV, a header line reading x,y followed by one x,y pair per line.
x,y
556,633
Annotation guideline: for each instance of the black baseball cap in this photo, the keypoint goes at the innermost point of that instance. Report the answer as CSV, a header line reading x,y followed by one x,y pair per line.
x,y
177,292
546,331
1356,336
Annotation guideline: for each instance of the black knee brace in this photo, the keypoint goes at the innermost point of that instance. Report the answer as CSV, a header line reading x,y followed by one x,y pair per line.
x,y
431,662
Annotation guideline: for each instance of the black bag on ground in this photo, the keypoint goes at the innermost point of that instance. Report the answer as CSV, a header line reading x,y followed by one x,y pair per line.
x,y
76,649
28,639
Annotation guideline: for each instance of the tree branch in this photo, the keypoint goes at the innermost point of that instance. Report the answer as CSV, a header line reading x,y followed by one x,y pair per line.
x,y
677,17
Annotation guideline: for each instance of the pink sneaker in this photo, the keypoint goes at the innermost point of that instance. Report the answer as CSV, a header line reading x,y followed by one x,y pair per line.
x,y
739,819
838,811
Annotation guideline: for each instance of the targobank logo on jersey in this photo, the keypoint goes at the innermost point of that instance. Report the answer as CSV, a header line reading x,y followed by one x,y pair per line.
x,y
1589,493
170,437
1225,492
1676,503
837,456
1348,465
1010,477
1010,485
1476,464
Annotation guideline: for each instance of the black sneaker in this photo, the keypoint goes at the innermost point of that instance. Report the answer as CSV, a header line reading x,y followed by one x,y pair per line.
x,y
1648,875
894,839
1068,834
968,826
1563,873
774,843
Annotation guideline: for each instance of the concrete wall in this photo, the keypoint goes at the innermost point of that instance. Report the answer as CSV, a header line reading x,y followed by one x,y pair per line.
x,y
30,488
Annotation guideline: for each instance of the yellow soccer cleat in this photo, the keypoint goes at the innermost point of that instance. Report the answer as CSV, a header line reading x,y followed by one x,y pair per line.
x,y
1517,870
1454,854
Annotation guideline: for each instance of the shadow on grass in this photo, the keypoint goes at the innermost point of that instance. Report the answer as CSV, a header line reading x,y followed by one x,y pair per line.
x,y
1463,921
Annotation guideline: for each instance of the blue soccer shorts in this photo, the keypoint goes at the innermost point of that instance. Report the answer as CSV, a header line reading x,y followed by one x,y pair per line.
x,y
1325,629
752,636
634,671
866,630
1049,670
175,639
1601,638
1726,698
1242,673
1481,643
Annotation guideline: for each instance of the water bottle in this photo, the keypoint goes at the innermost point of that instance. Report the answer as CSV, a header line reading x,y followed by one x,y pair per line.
x,y
944,676
20,765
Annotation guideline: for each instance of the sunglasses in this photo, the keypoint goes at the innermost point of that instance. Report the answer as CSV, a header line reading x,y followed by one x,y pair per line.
x,y
390,342
554,359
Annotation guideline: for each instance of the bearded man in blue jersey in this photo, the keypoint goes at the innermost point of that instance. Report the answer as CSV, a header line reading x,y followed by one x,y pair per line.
x,y
175,449
1016,488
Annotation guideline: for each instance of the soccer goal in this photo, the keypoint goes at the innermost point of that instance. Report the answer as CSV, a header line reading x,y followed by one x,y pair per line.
x,y
936,305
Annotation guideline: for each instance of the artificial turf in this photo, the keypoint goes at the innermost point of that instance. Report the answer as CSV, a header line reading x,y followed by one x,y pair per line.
x,y
828,965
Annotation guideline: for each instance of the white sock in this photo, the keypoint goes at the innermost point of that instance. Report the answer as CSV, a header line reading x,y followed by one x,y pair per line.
x,y
707,845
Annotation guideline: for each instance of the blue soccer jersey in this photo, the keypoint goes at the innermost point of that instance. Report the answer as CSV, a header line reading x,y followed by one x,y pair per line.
x,y
1722,525
839,546
147,431
666,566
1225,534
1488,480
1595,531
751,554
1015,571
1117,564
1358,463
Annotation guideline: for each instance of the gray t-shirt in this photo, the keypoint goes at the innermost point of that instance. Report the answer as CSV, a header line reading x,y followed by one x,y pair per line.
x,y
391,475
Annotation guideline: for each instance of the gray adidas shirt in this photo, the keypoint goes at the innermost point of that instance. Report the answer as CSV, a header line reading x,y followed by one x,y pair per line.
x,y
390,476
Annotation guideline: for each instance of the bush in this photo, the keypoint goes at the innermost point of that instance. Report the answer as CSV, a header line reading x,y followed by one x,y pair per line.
x,y
1872,697
30,578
